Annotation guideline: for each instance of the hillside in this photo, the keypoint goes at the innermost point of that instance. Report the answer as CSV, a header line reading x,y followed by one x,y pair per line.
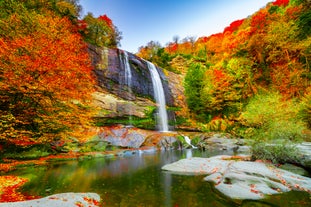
x,y
46,76
251,79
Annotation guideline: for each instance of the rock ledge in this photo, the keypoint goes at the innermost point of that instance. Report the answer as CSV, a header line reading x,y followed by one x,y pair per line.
x,y
240,179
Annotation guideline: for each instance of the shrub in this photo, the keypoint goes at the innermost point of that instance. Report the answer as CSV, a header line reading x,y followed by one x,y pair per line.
x,y
268,117
276,152
305,109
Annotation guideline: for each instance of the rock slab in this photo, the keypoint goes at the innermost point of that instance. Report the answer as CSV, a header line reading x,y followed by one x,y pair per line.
x,y
240,179
57,200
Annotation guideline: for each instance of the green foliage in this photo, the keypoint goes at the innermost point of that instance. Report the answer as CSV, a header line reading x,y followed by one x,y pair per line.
x,y
304,24
148,122
305,109
195,141
193,87
296,2
93,146
62,8
268,117
281,152
29,153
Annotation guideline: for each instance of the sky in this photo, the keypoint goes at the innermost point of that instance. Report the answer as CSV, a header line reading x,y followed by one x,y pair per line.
x,y
142,21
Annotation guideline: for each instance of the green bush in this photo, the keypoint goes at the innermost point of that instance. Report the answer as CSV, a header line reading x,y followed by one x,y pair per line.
x,y
275,152
268,117
29,153
305,109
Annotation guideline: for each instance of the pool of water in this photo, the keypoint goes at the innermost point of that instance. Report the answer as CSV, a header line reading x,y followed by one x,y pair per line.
x,y
138,180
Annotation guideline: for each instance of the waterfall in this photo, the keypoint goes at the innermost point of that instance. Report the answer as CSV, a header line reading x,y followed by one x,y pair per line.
x,y
128,78
159,97
128,73
188,141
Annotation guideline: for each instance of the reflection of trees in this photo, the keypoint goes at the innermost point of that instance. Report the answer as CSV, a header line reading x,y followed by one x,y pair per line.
x,y
123,181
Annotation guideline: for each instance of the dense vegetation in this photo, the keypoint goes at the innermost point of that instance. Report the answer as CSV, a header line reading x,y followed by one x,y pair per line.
x,y
253,79
46,76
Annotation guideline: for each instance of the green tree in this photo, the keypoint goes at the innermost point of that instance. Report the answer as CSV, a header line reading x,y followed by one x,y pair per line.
x,y
194,82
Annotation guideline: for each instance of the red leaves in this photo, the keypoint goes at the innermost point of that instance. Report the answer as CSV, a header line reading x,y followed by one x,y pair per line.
x,y
258,20
106,19
82,25
218,75
234,26
280,3
23,141
91,201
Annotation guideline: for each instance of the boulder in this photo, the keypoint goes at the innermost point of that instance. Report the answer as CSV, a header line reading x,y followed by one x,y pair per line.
x,y
305,150
123,136
240,179
63,199
114,106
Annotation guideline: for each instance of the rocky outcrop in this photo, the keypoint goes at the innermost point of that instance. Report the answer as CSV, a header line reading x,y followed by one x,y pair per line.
x,y
240,179
123,136
305,150
110,74
132,137
116,98
113,106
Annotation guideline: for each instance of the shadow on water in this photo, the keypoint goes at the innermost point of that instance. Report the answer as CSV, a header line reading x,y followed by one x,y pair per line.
x,y
139,181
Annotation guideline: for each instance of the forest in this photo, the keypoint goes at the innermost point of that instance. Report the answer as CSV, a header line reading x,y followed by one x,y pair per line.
x,y
46,77
251,80
248,85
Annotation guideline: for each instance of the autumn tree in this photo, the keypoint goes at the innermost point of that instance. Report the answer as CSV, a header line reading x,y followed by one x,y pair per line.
x,y
100,31
62,8
45,76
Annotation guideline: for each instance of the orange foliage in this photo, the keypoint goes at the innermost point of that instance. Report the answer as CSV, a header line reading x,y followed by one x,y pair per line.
x,y
172,48
8,189
218,75
234,26
293,12
258,20
42,74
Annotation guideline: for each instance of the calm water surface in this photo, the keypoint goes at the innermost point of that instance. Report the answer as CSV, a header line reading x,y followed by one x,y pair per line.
x,y
138,180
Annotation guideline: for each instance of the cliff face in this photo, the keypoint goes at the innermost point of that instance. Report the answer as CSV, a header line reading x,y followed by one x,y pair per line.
x,y
114,97
110,73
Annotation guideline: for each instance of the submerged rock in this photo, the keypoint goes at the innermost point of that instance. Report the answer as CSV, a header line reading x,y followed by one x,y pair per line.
x,y
63,199
240,179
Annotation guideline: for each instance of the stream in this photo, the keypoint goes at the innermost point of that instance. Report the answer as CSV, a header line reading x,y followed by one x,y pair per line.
x,y
138,180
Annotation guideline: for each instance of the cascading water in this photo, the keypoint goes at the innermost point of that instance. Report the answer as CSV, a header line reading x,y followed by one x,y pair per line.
x,y
128,78
159,97
128,73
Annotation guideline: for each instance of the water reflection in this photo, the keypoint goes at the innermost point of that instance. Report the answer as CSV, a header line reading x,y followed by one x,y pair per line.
x,y
133,181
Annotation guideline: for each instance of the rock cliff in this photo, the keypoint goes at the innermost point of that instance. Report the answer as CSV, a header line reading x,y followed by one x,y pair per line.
x,y
115,99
